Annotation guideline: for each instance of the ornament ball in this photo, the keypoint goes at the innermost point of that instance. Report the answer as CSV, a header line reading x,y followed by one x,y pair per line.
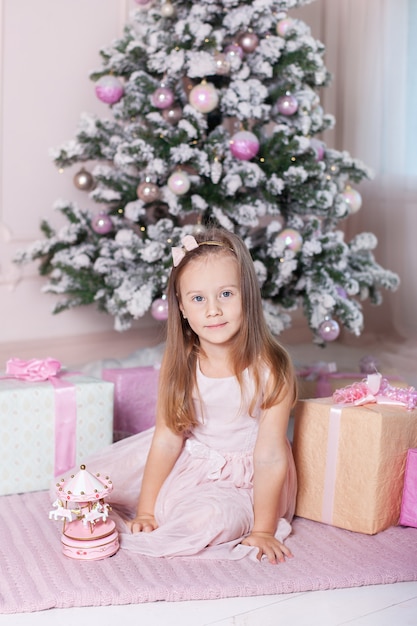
x,y
102,224
221,63
109,89
172,114
234,50
162,98
368,364
204,97
353,199
318,147
159,309
287,105
179,183
199,229
148,192
248,41
83,180
244,145
167,9
283,26
329,330
291,238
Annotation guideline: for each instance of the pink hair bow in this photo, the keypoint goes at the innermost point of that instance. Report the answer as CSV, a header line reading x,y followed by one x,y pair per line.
x,y
34,370
179,252
375,388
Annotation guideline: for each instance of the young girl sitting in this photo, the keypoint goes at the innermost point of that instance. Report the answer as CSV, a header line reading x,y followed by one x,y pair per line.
x,y
219,479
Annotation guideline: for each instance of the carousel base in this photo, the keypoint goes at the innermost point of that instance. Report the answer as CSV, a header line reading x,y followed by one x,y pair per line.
x,y
90,542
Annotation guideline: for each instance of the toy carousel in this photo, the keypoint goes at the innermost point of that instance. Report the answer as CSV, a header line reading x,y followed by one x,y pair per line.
x,y
88,533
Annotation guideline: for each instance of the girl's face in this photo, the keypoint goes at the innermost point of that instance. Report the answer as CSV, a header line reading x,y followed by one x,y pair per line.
x,y
210,298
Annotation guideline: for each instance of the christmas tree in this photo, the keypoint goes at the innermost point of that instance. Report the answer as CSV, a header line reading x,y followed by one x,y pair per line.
x,y
214,118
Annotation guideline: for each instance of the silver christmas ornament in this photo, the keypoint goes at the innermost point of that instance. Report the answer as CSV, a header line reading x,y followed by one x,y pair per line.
x,y
83,180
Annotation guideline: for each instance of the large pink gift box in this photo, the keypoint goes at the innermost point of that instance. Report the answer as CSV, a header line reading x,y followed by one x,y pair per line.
x,y
350,462
135,396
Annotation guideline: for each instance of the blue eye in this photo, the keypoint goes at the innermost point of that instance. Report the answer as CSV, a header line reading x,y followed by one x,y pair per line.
x,y
198,298
226,294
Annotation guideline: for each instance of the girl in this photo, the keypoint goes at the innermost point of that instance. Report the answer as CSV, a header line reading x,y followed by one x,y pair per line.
x,y
219,479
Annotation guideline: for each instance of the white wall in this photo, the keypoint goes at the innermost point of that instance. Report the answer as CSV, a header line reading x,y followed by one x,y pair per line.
x,y
47,49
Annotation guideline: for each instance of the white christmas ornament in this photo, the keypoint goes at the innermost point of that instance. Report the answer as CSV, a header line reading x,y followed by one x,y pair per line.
x,y
204,97
353,199
216,171
179,183
167,10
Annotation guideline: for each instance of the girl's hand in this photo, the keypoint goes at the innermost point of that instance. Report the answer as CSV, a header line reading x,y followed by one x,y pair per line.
x,y
142,523
269,546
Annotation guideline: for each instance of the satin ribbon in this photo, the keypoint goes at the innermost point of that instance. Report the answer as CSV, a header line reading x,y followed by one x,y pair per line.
x,y
178,253
47,370
375,388
331,464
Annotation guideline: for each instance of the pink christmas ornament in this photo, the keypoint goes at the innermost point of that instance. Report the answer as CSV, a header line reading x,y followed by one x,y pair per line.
x,y
287,105
162,98
148,192
283,26
109,89
329,330
244,145
102,224
204,97
353,199
234,50
248,41
291,238
179,183
159,309
318,147
341,292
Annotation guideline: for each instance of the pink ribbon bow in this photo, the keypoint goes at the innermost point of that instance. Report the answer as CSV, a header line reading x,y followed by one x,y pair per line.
x,y
178,252
43,370
377,389
35,370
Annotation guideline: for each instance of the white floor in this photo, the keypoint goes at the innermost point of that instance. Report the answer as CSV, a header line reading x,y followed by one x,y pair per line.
x,y
381,605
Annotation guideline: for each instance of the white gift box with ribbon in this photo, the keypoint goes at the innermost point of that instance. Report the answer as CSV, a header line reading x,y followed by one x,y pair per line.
x,y
51,420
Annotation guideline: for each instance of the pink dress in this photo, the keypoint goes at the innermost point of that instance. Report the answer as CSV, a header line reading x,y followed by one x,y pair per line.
x,y
205,506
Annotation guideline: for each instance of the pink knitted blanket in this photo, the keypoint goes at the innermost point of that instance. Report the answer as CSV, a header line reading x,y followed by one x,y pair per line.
x,y
35,575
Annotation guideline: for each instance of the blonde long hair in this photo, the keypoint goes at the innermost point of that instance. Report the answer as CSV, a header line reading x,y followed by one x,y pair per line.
x,y
253,347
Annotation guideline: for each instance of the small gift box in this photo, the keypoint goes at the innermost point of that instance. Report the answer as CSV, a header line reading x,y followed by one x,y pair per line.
x,y
350,458
408,515
135,396
322,378
50,421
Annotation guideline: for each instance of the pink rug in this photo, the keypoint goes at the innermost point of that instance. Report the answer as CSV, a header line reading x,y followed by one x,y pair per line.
x,y
34,574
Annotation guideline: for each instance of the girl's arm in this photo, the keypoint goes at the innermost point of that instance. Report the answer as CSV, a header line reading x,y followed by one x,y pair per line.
x,y
270,471
165,449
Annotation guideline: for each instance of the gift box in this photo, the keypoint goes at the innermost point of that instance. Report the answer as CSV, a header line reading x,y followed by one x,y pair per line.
x,y
322,379
408,514
50,426
135,396
350,462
